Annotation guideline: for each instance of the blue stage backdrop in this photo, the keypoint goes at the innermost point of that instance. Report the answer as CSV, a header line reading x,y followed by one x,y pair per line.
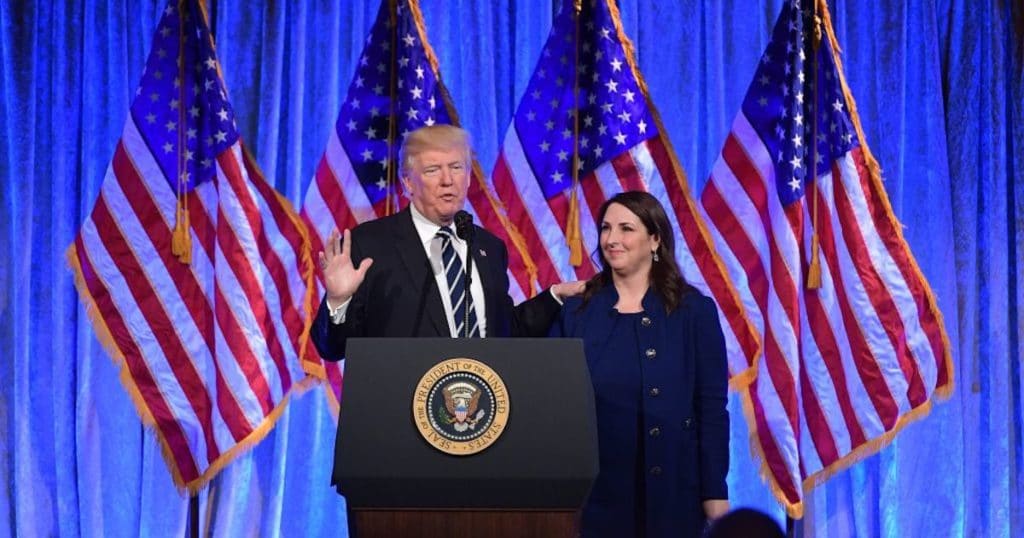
x,y
940,87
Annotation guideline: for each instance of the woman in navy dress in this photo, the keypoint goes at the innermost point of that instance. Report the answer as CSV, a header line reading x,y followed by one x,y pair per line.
x,y
656,355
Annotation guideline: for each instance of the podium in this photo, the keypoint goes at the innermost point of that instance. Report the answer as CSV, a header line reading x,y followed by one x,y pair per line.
x,y
465,437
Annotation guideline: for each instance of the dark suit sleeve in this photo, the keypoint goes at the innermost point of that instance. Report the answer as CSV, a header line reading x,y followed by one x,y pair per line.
x,y
559,328
532,317
329,338
710,401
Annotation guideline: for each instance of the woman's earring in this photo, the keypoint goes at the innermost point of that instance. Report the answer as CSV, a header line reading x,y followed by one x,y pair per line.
x,y
654,255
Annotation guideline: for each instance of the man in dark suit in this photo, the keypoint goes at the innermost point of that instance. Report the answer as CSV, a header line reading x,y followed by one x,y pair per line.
x,y
404,275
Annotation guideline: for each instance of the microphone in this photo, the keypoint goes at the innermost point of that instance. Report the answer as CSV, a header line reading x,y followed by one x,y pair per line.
x,y
464,226
466,231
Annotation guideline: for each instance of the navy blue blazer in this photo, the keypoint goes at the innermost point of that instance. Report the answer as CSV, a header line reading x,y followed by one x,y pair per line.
x,y
399,296
684,428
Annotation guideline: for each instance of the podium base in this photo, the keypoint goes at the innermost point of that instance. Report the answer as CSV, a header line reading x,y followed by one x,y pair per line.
x,y
378,523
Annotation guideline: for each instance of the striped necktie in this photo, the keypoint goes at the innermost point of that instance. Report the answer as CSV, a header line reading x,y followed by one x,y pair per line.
x,y
456,276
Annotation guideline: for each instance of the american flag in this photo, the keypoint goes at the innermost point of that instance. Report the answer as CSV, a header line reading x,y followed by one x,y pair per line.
x,y
586,95
846,364
397,89
209,346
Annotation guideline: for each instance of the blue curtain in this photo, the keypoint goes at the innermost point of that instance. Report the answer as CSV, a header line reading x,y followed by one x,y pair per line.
x,y
940,87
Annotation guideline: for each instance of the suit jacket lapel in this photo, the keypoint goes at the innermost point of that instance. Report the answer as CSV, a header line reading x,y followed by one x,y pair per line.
x,y
420,272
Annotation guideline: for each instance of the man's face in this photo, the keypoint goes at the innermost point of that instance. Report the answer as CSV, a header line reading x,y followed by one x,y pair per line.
x,y
437,182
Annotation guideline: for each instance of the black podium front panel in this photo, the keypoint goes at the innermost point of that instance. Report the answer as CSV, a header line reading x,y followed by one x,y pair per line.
x,y
546,457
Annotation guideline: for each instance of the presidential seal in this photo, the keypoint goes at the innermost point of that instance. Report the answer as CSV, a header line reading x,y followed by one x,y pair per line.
x,y
460,406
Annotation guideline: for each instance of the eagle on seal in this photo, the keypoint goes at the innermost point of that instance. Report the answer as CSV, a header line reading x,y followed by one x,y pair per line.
x,y
461,400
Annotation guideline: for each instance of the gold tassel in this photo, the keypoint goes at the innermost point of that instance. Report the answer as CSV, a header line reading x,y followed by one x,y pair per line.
x,y
572,232
181,238
572,228
814,271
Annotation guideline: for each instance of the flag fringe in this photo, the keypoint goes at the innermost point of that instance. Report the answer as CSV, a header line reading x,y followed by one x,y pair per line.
x,y
305,256
794,510
942,392
869,448
743,378
862,452
106,340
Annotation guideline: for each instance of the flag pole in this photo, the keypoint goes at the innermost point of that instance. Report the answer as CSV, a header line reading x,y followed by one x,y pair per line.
x,y
572,227
391,170
193,515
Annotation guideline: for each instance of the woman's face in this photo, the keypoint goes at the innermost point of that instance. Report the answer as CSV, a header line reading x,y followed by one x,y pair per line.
x,y
625,242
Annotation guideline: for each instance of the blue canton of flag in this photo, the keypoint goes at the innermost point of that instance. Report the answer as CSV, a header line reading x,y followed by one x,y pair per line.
x,y
373,101
613,114
779,104
182,102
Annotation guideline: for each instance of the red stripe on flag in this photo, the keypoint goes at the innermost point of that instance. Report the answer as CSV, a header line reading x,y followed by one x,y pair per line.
x,y
335,378
629,176
164,420
593,193
333,196
878,294
770,449
490,220
818,426
733,234
235,255
285,224
506,190
825,339
701,250
316,245
234,338
899,252
867,367
753,184
201,225
290,312
148,300
151,221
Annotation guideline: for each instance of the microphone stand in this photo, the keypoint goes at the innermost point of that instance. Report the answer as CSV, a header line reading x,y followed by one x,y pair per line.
x,y
465,230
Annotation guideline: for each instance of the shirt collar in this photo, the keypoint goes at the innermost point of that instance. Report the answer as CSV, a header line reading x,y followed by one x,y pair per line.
x,y
425,229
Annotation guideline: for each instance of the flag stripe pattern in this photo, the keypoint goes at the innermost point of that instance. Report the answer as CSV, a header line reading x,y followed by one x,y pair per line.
x,y
396,89
847,363
209,347
613,126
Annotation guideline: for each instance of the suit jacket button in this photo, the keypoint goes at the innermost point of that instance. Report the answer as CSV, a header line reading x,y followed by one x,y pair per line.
x,y
654,391
645,321
651,353
655,431
656,470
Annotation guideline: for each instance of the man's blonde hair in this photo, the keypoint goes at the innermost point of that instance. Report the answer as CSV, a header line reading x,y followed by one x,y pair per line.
x,y
433,137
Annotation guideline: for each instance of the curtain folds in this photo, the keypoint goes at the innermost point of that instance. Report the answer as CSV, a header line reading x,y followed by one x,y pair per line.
x,y
940,89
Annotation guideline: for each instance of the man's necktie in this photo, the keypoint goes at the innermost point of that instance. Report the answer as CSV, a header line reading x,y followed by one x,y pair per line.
x,y
456,275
